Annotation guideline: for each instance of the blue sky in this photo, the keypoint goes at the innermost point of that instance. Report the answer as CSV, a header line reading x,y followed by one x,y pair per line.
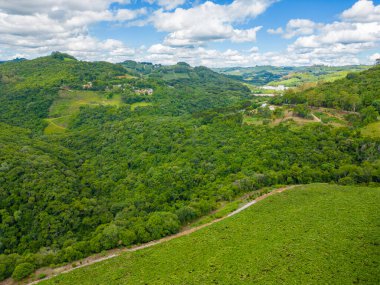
x,y
214,33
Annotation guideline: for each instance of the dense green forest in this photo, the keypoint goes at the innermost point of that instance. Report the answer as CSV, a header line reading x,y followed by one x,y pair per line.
x,y
125,174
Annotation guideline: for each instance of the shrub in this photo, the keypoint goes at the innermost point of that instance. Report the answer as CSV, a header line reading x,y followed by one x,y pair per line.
x,y
302,111
346,181
41,276
161,224
7,265
369,115
3,272
186,214
22,270
127,237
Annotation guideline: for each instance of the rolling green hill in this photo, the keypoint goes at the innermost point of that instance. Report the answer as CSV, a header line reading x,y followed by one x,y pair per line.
x,y
34,93
357,94
29,87
289,76
316,234
95,156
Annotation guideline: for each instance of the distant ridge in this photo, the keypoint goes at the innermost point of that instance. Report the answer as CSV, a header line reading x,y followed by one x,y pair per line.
x,y
17,59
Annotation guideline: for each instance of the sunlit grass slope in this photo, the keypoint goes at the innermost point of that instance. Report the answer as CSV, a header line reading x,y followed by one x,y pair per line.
x,y
317,234
67,105
372,130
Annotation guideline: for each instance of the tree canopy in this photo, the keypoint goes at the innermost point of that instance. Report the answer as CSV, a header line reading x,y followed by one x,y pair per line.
x,y
121,175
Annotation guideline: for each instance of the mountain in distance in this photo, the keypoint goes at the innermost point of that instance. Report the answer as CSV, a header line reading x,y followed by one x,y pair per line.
x,y
13,60
289,76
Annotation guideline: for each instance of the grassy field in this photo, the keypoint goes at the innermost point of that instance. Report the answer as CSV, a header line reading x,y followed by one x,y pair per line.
x,y
372,130
69,102
253,121
67,105
316,234
175,76
140,104
322,115
289,116
57,125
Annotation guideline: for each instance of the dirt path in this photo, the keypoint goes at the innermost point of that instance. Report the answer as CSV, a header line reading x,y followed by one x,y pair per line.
x,y
51,121
52,272
60,127
316,118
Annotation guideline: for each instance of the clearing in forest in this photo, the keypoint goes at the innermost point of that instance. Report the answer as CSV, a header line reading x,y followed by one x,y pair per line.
x,y
68,104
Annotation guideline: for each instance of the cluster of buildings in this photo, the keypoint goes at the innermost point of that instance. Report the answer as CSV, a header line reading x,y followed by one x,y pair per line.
x,y
146,91
142,91
87,86
275,88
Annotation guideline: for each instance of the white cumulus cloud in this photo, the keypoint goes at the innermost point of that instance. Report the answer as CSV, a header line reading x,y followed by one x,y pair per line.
x,y
38,27
209,22
362,11
277,31
297,27
167,4
374,57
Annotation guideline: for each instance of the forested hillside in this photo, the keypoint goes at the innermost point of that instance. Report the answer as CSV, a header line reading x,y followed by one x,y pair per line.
x,y
170,148
358,92
28,88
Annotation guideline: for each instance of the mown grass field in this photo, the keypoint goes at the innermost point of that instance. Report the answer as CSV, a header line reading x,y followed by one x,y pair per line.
x,y
140,105
57,125
68,104
175,76
316,234
372,130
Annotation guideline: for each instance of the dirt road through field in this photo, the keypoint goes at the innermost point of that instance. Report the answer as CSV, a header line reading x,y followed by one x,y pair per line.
x,y
52,272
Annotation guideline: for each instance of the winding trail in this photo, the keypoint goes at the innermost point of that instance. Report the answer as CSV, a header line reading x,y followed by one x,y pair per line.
x,y
54,124
52,272
316,118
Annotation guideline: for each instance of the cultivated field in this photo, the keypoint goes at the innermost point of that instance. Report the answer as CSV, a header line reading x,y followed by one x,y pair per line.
x,y
316,234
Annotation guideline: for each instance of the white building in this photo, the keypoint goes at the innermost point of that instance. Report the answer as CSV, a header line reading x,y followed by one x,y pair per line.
x,y
272,108
276,88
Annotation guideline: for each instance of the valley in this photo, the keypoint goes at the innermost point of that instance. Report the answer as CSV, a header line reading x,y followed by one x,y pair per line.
x,y
189,142
97,156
